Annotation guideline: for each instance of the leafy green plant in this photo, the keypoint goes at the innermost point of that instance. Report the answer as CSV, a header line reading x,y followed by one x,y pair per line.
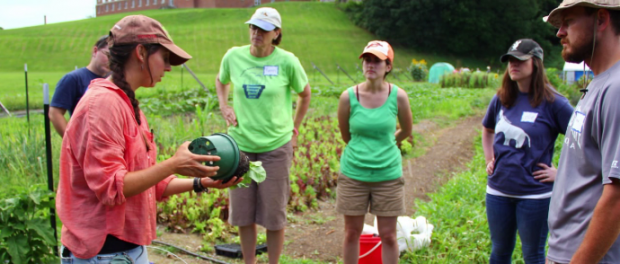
x,y
418,70
26,235
406,147
256,173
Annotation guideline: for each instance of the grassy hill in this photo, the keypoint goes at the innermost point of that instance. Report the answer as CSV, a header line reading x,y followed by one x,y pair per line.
x,y
315,32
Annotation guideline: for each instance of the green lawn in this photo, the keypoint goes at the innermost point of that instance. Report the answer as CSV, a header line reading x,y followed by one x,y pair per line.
x,y
315,32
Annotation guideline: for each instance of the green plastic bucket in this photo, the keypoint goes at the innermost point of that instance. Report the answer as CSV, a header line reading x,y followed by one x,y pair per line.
x,y
221,145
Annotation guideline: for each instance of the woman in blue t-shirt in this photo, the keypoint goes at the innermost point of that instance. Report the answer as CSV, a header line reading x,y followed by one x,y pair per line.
x,y
520,128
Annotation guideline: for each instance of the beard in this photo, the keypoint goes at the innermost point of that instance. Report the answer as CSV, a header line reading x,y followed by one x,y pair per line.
x,y
581,49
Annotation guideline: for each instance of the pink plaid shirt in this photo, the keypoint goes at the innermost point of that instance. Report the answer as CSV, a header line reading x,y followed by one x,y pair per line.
x,y
102,143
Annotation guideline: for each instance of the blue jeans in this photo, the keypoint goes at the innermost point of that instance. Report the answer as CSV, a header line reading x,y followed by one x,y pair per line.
x,y
137,255
528,216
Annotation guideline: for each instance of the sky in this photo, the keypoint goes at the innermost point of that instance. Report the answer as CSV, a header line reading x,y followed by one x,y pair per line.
x,y
25,13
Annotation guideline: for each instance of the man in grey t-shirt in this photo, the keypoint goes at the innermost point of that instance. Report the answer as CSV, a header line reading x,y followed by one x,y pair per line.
x,y
584,216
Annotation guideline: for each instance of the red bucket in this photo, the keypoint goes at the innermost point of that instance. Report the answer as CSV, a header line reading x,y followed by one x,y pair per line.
x,y
370,250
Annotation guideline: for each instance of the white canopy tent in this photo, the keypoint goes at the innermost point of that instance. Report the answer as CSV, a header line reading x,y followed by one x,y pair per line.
x,y
573,71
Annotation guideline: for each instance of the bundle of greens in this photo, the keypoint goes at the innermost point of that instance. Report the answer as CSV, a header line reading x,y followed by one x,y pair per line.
x,y
255,173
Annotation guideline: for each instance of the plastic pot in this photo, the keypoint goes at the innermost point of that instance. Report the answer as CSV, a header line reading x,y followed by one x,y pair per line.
x,y
226,148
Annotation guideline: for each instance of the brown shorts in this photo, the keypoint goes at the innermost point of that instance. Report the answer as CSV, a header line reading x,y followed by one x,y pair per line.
x,y
386,198
265,203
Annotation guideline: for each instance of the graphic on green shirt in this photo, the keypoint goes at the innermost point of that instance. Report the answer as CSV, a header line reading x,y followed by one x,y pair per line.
x,y
262,96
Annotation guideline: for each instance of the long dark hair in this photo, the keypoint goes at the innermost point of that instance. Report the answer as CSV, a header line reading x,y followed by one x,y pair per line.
x,y
119,55
540,88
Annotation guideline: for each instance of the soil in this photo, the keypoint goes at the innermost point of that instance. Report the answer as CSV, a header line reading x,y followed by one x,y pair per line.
x,y
318,235
244,164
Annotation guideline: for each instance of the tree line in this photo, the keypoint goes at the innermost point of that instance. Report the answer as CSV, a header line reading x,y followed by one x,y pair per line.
x,y
482,29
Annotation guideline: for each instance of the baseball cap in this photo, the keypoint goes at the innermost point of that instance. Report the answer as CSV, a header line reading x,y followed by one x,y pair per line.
x,y
555,17
379,48
266,18
139,29
523,49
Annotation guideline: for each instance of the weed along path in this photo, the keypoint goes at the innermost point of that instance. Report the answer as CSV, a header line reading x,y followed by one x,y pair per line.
x,y
318,235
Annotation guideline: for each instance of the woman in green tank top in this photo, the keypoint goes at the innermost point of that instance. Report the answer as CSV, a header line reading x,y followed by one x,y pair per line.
x,y
371,164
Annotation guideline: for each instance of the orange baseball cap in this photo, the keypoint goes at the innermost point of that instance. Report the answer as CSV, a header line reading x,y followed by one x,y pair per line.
x,y
379,48
139,29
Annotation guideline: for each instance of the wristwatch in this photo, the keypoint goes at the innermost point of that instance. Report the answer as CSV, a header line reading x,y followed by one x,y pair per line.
x,y
198,188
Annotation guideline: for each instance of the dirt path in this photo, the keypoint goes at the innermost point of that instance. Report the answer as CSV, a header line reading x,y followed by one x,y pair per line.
x,y
318,235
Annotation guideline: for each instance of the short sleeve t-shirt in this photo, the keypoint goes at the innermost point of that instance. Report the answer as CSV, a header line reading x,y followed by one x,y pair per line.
x,y
262,96
71,88
524,137
589,160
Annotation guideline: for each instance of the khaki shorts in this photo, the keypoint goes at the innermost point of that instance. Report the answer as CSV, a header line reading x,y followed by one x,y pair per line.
x,y
265,203
386,198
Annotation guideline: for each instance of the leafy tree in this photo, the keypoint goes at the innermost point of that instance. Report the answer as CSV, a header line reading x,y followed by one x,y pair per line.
x,y
478,28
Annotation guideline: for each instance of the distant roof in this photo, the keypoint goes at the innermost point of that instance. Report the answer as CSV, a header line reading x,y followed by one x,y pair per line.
x,y
575,66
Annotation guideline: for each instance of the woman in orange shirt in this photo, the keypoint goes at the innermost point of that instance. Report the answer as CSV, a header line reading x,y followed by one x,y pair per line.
x,y
109,179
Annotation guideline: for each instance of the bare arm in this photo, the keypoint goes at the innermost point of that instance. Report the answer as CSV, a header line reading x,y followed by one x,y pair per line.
x,y
303,102
487,146
222,95
344,109
57,117
405,118
487,143
604,227
185,185
183,162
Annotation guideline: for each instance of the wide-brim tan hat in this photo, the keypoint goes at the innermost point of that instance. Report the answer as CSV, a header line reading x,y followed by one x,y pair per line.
x,y
139,29
555,17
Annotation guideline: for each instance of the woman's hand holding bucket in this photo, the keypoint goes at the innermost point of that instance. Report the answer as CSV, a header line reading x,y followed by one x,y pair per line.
x,y
219,184
189,164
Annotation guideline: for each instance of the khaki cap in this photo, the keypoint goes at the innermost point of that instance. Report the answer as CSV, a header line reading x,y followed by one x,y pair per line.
x,y
139,29
555,17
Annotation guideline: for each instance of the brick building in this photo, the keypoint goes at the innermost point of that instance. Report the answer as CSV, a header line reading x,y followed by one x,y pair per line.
x,y
107,7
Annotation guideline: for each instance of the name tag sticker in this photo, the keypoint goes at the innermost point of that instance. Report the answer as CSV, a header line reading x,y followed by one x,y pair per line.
x,y
578,122
529,117
270,70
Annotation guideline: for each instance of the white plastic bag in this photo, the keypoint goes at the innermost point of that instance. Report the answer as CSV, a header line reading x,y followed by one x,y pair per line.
x,y
368,230
413,234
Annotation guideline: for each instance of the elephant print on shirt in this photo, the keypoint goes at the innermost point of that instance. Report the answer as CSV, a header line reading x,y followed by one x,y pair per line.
x,y
511,132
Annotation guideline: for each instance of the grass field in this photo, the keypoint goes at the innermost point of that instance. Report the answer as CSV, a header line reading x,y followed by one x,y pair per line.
x,y
315,32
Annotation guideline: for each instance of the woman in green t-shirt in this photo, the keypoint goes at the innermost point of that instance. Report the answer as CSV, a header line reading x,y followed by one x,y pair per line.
x,y
261,121
370,166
